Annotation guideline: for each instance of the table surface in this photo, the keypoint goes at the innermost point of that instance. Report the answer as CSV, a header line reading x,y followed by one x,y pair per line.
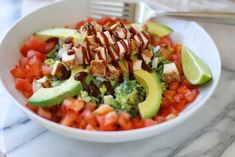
x,y
210,132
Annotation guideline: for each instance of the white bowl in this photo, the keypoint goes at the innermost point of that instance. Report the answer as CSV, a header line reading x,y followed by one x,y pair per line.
x,y
70,12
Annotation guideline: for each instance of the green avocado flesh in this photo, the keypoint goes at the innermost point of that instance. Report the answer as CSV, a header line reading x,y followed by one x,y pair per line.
x,y
158,29
152,86
61,33
46,97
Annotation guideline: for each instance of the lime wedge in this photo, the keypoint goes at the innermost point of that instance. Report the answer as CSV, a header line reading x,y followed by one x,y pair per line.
x,y
195,70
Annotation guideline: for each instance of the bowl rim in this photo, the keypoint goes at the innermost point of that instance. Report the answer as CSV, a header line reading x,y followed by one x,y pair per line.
x,y
158,128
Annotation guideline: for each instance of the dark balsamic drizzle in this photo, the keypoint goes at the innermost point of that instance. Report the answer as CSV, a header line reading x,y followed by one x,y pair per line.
x,y
91,89
106,41
84,56
81,76
130,69
109,87
71,52
116,47
90,29
124,45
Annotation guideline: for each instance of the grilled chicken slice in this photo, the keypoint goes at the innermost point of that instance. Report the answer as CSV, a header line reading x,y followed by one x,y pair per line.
x,y
90,28
97,27
80,55
170,72
98,68
147,55
141,39
121,33
101,53
113,72
42,82
137,28
115,26
70,60
92,40
60,71
105,38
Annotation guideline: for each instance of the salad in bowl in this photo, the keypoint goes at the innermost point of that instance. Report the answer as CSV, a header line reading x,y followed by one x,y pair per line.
x,y
108,75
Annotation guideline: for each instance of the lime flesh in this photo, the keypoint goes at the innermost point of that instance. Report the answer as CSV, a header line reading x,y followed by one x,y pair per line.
x,y
195,70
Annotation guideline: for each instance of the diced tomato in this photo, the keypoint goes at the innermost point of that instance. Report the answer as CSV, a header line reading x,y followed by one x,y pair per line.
x,y
100,119
179,97
80,121
173,85
155,41
18,72
78,105
89,19
160,119
90,106
187,84
23,61
180,106
124,121
46,70
110,118
191,95
149,122
35,60
169,94
32,108
30,78
68,102
24,50
104,20
23,85
182,89
108,128
35,71
36,44
80,24
50,44
75,105
90,127
39,55
136,121
173,110
166,40
165,103
69,119
89,117
164,111
44,113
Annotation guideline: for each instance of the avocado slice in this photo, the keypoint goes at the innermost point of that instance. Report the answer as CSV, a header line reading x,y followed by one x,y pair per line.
x,y
153,88
158,29
61,33
47,97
